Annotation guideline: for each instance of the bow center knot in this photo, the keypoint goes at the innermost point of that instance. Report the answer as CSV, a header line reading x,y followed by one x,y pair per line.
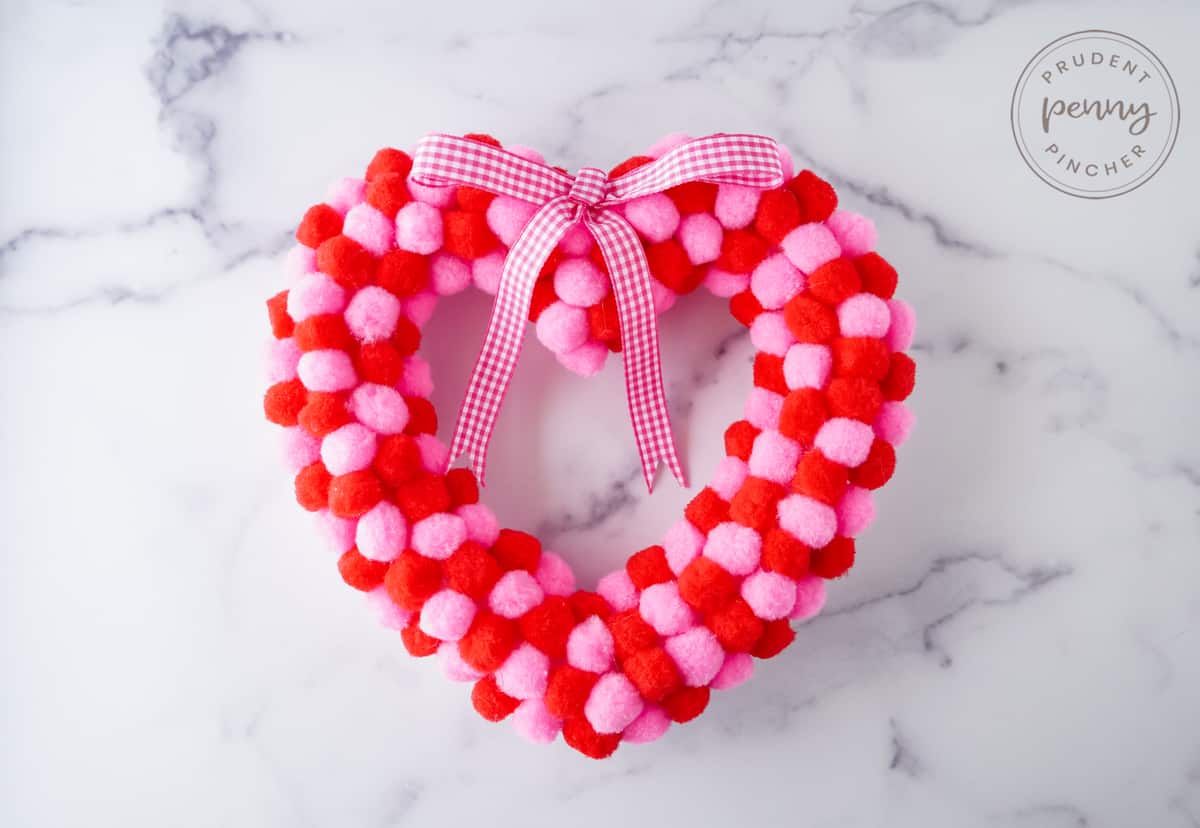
x,y
590,187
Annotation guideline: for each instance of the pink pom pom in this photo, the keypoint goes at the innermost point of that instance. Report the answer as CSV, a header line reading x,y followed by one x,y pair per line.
x,y
775,281
773,457
810,245
299,260
562,328
810,598
654,216
723,285
785,161
700,234
665,610
534,723
664,298
486,271
439,535
807,366
737,669
587,360
419,228
697,654
389,614
379,407
845,441
728,478
447,615
300,448
894,423
613,703
855,234
682,543
283,355
769,333
434,454
315,294
340,531
580,283
370,228
453,666
763,408
648,727
863,314
372,314
326,370
577,241
769,594
382,533
590,646
736,205
528,153
482,526
345,193
555,575
810,521
439,197
416,378
667,143
617,588
420,307
903,324
855,511
523,674
735,547
516,593
448,274
348,449
507,217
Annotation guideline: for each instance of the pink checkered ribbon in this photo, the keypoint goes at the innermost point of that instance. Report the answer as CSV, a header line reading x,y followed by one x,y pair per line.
x,y
446,160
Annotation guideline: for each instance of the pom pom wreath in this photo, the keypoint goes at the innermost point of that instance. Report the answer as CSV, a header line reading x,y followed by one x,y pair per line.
x,y
523,674
490,702
562,327
382,533
370,228
419,228
810,521
515,594
700,234
736,548
697,655
534,722
809,246
736,206
447,615
665,610
654,216
613,704
580,283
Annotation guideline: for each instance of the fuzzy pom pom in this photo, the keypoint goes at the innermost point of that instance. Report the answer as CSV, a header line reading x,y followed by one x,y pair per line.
x,y
777,635
809,320
700,234
665,610
863,314
809,246
820,478
648,567
754,503
577,241
300,448
775,281
855,234
312,487
770,333
439,535
488,642
744,307
762,410
370,228
389,615
412,579
860,357
523,674
453,665
403,273
320,222
724,284
580,283
490,702
372,314
282,357
467,234
736,626
613,704
686,704
729,477
346,261
855,511
515,594
834,559
706,585
682,543
387,194
416,378
548,625
736,206
778,212
739,439
590,646
562,327
901,377
447,615
554,575
653,672
345,193
379,407
654,216
348,449
807,365
480,521
894,423
299,260
810,598
567,690
650,726
389,161
439,197
326,370
517,550
417,642
817,199
580,735
706,510
845,441
810,521
587,360
741,251
737,669
878,468
507,217
736,548
314,294
903,322
618,589
339,530
534,723
486,272
803,414
670,265
769,594
364,575
774,457
697,654
834,282
878,275
419,228
448,274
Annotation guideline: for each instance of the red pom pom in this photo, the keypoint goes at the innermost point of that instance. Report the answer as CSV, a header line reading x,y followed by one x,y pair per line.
x,y
582,736
387,194
649,567
706,585
669,263
741,251
324,413
653,673
411,579
686,704
816,198
834,282
854,397
389,160
820,478
745,307
706,510
543,296
424,495
417,642
739,439
379,362
694,197
755,503
472,571
517,550
768,373
567,690
325,331
631,634
407,337
802,415
778,213
901,377
833,559
488,642
312,486
347,262
422,416
547,626
352,495
604,324
320,222
283,402
403,272
483,138
809,320
473,198
397,459
464,489
878,468
628,165
860,356
359,572
736,626
776,636
281,324
877,275
784,554
586,604
491,702
467,234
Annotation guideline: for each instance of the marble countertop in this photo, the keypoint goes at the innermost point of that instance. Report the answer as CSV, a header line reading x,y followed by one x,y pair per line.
x,y
1017,645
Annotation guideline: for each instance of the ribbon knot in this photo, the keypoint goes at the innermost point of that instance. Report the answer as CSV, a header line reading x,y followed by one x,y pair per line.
x,y
563,201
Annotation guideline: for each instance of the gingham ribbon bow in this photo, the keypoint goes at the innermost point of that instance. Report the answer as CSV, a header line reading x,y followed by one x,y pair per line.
x,y
446,160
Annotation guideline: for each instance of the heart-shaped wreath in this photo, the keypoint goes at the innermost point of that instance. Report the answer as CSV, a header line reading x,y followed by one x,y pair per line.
x,y
753,549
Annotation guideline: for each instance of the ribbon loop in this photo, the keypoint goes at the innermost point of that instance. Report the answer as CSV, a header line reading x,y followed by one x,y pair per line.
x,y
589,188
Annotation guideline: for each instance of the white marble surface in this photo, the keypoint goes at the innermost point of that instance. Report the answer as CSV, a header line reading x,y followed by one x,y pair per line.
x,y
1018,643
